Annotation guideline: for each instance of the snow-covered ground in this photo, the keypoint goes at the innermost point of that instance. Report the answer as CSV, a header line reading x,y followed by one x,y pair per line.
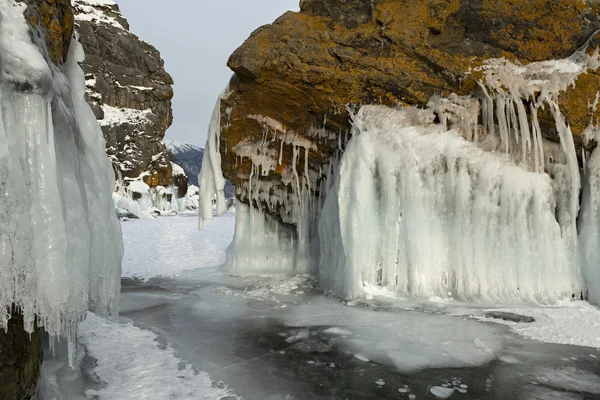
x,y
173,245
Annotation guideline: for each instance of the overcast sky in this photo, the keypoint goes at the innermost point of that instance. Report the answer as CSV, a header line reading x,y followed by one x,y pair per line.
x,y
195,38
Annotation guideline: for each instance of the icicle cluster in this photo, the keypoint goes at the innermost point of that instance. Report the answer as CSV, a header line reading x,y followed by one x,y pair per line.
x,y
418,208
420,211
60,241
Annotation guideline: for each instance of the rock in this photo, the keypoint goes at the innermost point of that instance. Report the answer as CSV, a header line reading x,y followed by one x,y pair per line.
x,y
55,18
305,68
125,215
512,317
20,359
129,91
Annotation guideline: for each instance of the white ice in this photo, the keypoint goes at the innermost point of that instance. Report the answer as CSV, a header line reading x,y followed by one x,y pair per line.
x,y
60,241
210,179
423,212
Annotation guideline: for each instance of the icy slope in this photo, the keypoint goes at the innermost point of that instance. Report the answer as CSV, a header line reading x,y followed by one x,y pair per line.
x,y
60,241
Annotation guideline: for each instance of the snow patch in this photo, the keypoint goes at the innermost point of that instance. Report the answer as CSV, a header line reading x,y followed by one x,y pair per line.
x,y
172,245
572,324
118,116
133,366
93,11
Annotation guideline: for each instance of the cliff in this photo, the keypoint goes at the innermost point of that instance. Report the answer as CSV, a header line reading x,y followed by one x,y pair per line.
x,y
297,76
129,91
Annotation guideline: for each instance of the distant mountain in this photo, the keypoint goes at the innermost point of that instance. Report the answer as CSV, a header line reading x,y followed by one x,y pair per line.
x,y
176,147
189,157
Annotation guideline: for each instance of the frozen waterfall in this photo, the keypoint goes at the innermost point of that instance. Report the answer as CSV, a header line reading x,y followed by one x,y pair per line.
x,y
420,211
60,241
464,199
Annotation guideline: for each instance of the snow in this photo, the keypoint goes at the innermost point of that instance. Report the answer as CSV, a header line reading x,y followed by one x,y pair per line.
x,y
177,147
177,170
575,324
138,187
134,366
173,246
98,2
92,11
60,243
117,116
22,61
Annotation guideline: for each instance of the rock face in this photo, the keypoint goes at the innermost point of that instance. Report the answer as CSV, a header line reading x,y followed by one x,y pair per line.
x,y
55,19
20,359
129,91
297,75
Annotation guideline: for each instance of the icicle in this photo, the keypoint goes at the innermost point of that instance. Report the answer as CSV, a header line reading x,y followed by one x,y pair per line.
x,y
210,179
306,169
280,162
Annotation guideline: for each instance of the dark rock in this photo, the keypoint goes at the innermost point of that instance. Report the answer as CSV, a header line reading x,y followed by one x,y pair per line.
x,y
20,359
124,215
507,316
129,91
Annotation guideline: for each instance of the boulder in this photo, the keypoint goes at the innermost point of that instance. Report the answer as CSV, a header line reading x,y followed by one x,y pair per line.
x,y
299,74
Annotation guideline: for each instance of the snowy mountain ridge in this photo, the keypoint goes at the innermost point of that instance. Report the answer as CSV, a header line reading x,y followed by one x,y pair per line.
x,y
176,147
188,156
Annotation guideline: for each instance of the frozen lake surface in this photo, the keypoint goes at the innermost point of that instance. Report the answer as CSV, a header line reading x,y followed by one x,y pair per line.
x,y
199,334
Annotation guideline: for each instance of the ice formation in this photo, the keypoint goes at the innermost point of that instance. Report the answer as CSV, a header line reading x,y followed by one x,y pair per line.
x,y
60,241
210,179
421,211
474,211
590,221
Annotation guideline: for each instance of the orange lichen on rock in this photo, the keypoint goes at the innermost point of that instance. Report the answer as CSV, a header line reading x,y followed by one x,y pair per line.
x,y
305,68
537,29
56,18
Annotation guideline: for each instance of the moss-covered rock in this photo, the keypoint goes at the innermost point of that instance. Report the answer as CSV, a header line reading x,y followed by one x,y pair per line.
x,y
304,69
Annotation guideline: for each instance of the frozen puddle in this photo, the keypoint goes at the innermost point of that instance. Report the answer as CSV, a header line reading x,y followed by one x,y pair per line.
x,y
317,348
